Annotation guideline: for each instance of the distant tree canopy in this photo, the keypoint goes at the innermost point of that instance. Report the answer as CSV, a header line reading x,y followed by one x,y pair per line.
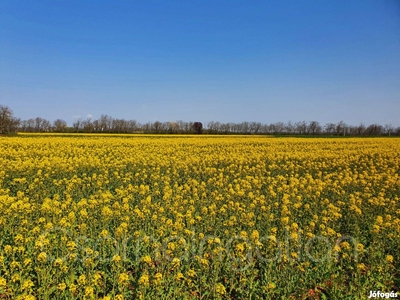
x,y
198,127
108,124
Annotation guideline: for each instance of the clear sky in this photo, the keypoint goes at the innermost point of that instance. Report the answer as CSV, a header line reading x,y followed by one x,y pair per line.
x,y
202,60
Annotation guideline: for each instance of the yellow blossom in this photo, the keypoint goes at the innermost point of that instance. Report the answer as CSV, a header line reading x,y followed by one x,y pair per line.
x,y
220,289
144,280
389,258
123,279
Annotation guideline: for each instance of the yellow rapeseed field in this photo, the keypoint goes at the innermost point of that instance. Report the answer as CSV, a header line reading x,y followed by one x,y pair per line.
x,y
198,217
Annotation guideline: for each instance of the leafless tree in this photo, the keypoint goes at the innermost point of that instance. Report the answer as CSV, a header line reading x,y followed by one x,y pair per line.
x,y
388,128
255,127
330,128
42,125
59,125
374,129
301,127
314,127
8,123
360,129
28,125
290,128
87,125
156,128
213,127
77,124
105,123
147,127
133,126
341,128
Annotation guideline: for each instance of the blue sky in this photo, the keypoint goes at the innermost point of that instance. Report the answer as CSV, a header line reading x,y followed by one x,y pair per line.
x,y
202,60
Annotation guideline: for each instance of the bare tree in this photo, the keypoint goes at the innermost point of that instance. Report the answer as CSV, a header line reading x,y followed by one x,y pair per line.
x,y
330,128
105,123
181,126
301,127
388,128
156,127
28,125
213,127
173,127
360,129
87,125
244,127
41,125
314,127
132,125
46,125
8,123
147,127
77,124
341,128
280,127
374,129
96,126
290,127
225,128
38,124
255,127
118,126
59,125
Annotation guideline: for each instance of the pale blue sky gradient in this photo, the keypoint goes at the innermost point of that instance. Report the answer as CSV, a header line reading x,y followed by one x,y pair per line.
x,y
203,60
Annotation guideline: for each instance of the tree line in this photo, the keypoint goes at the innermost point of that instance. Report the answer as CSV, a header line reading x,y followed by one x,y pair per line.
x,y
108,124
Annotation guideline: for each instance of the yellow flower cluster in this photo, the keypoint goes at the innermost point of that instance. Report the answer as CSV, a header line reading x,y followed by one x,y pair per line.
x,y
93,216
